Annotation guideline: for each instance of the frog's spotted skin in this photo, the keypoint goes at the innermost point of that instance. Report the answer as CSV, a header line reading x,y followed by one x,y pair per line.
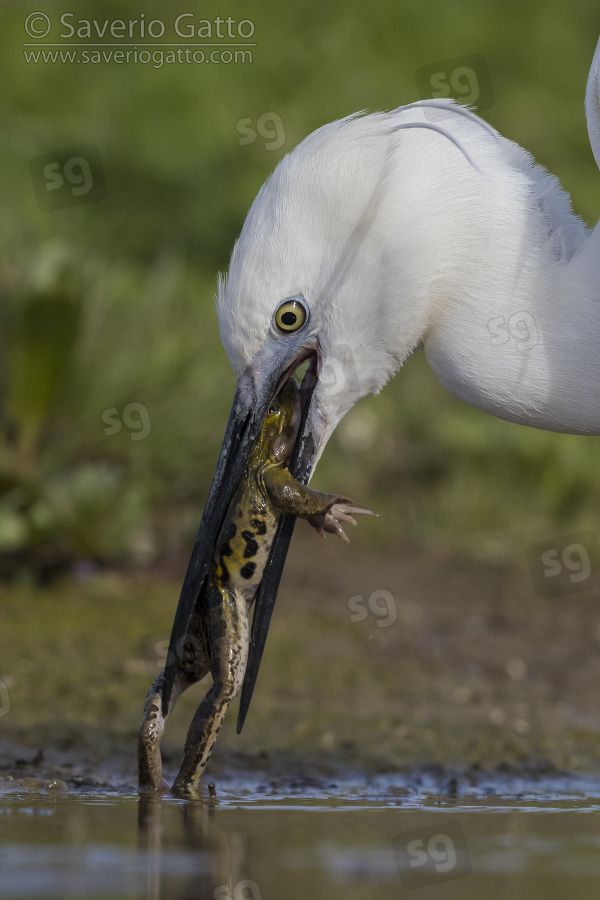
x,y
219,631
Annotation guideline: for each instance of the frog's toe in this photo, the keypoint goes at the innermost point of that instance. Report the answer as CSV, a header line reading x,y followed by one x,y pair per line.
x,y
345,512
357,510
339,511
333,525
331,520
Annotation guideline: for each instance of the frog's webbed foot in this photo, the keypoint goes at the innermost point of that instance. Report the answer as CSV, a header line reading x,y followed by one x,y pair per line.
x,y
331,521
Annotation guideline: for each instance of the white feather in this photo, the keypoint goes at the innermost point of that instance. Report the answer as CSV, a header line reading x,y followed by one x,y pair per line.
x,y
444,235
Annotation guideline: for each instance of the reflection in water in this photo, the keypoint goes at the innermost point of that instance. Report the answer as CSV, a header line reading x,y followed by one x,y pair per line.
x,y
220,855
344,844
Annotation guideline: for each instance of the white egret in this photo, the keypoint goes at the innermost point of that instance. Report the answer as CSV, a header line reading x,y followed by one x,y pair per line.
x,y
382,233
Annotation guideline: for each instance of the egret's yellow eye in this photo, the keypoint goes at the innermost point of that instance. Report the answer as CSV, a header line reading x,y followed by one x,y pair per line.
x,y
290,316
273,409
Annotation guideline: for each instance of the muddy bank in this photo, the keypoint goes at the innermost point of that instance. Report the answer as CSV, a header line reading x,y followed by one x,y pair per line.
x,y
373,664
80,762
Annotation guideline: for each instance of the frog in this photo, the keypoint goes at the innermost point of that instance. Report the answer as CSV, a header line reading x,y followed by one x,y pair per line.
x,y
218,636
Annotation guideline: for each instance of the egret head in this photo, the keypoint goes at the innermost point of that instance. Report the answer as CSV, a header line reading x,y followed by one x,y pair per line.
x,y
305,274
317,238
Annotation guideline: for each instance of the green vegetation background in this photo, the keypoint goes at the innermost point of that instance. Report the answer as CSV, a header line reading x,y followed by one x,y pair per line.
x,y
111,303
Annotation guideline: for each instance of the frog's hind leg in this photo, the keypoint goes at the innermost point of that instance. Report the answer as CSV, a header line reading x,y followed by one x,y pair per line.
x,y
203,732
151,729
229,653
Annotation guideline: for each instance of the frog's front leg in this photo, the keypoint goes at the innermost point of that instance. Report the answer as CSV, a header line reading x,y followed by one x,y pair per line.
x,y
325,512
228,638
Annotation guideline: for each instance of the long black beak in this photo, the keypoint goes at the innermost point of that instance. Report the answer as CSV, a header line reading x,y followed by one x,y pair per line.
x,y
247,415
301,465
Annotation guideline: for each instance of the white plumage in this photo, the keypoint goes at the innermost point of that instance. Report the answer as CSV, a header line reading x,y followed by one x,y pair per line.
x,y
395,237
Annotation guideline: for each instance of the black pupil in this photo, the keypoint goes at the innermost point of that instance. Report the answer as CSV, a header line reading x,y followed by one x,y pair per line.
x,y
289,318
272,410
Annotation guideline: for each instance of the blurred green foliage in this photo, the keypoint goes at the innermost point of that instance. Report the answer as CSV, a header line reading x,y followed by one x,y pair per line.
x,y
107,307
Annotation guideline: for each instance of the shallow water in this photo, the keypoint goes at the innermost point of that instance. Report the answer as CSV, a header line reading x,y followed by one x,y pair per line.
x,y
380,837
